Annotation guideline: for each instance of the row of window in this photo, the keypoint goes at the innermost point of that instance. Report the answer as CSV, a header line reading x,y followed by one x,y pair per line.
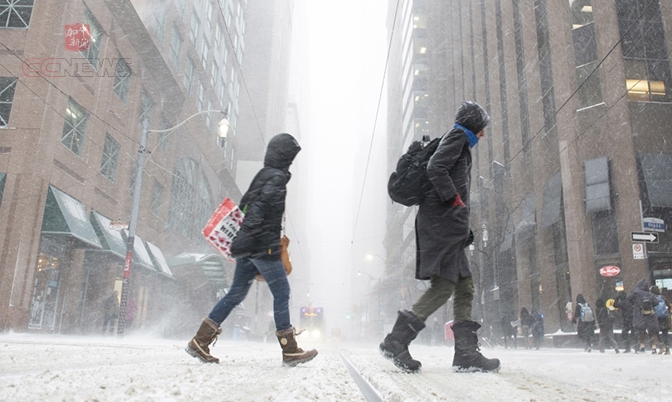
x,y
647,68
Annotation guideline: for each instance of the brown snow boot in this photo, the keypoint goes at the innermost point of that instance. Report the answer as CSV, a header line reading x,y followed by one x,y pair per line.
x,y
199,345
292,354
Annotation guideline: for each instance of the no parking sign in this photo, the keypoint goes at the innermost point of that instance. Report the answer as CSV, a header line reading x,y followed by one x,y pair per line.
x,y
637,251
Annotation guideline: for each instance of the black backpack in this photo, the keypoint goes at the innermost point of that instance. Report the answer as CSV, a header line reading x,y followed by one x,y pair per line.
x,y
647,307
409,184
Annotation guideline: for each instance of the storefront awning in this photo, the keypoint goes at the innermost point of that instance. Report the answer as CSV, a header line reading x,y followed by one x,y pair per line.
x,y
140,254
212,265
65,216
111,240
159,260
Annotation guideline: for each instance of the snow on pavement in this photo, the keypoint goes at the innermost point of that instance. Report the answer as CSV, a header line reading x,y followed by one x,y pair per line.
x,y
66,368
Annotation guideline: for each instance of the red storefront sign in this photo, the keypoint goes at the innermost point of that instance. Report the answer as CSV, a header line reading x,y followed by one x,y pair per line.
x,y
610,270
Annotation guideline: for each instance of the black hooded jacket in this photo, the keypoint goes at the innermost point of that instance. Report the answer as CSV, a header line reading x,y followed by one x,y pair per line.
x,y
641,321
441,228
264,202
625,307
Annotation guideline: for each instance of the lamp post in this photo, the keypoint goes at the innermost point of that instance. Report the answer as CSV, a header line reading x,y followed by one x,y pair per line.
x,y
223,130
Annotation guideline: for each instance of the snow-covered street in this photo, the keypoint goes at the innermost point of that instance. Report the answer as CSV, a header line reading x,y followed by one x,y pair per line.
x,y
65,368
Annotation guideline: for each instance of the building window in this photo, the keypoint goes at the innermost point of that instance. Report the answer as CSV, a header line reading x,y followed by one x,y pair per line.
x,y
181,6
647,66
181,196
7,87
214,76
108,166
74,128
205,53
193,29
122,80
222,93
201,96
160,23
91,53
229,15
208,14
145,108
157,193
218,37
585,53
175,48
188,74
208,116
15,13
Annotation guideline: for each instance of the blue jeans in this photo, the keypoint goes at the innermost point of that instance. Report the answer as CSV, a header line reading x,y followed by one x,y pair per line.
x,y
276,278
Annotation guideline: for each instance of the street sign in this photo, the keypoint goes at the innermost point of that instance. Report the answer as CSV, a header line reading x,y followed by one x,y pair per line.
x,y
637,252
648,237
653,225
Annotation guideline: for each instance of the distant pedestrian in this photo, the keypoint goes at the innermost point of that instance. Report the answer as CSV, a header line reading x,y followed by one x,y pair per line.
x,y
644,318
508,331
526,322
111,311
605,321
585,320
662,309
625,309
537,328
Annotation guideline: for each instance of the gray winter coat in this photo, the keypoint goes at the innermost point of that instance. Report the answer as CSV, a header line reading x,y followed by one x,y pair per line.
x,y
640,321
442,229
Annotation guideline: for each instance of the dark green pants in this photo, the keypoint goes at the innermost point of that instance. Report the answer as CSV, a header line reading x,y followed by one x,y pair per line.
x,y
440,290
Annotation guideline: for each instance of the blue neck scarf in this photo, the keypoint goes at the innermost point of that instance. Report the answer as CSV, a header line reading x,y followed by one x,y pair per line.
x,y
473,140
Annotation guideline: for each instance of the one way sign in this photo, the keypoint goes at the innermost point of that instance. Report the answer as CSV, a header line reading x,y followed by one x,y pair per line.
x,y
649,237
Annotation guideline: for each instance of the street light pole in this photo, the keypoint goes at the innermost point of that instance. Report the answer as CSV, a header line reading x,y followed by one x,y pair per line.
x,y
223,130
130,241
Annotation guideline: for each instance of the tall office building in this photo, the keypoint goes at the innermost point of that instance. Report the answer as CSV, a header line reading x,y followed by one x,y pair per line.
x,y
576,158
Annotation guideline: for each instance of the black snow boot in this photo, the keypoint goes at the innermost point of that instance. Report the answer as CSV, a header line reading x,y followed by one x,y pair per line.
x,y
395,344
468,357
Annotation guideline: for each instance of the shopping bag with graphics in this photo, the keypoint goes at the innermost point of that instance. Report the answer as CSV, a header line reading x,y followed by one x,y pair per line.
x,y
223,227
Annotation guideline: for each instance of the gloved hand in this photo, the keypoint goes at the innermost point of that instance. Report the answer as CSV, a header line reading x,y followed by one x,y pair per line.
x,y
457,201
470,239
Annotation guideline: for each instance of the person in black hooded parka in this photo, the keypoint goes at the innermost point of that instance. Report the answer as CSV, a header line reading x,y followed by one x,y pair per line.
x,y
625,307
442,233
256,249
644,318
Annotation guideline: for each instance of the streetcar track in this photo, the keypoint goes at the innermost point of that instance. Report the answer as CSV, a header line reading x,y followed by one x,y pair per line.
x,y
367,390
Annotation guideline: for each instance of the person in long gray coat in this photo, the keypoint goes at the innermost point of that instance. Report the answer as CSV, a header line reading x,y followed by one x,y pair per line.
x,y
644,318
442,234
